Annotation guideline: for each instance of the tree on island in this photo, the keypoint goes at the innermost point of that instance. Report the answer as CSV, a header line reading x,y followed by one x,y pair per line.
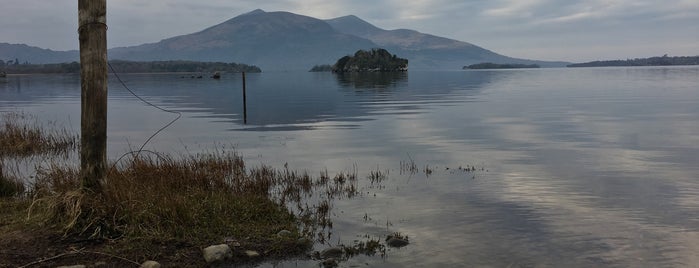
x,y
665,60
375,60
322,68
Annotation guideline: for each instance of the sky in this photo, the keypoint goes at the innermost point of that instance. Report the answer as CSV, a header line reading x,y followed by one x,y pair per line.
x,y
575,31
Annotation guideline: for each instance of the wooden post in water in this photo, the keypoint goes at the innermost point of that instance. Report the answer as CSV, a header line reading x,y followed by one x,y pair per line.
x,y
92,21
245,102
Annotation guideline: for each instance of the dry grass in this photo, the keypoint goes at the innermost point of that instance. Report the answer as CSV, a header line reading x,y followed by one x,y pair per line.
x,y
10,186
201,198
21,135
161,207
198,200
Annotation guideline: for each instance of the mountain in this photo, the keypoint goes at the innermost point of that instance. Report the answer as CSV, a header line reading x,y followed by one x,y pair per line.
x,y
425,50
270,40
25,53
287,41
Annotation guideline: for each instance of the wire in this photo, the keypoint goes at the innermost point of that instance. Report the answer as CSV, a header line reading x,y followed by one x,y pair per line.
x,y
140,149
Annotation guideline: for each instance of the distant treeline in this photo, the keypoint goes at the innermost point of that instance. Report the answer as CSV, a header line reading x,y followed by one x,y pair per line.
x,y
135,67
322,68
653,61
490,65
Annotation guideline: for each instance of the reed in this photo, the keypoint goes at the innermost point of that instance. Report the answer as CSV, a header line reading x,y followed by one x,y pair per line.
x,y
21,135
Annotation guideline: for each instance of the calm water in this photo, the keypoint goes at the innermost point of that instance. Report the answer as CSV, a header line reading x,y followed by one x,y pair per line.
x,y
581,167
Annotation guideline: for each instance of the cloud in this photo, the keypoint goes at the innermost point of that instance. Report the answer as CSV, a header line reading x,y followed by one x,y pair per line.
x,y
521,28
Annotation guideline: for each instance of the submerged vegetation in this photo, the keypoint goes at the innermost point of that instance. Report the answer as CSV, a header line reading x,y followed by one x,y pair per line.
x,y
21,135
154,206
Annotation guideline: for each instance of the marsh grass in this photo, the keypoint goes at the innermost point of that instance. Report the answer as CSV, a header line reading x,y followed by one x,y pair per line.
x,y
21,135
152,201
198,200
10,186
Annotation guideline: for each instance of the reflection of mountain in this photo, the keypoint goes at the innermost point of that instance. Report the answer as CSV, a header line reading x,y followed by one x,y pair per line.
x,y
371,80
300,100
275,100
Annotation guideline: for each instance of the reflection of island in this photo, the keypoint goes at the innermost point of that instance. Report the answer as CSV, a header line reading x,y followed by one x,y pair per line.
x,y
374,80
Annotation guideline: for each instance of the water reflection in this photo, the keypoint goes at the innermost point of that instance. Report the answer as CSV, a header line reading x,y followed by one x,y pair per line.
x,y
587,167
373,80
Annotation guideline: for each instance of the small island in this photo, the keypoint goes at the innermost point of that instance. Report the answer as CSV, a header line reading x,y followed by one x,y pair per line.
x,y
665,60
490,65
375,60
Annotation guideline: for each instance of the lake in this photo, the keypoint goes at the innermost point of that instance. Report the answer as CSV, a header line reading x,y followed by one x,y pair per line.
x,y
574,167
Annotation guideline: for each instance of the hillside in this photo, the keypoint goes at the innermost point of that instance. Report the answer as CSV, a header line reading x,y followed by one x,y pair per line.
x,y
270,40
287,41
25,53
425,50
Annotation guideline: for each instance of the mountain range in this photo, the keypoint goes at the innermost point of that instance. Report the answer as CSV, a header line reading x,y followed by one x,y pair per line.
x,y
288,41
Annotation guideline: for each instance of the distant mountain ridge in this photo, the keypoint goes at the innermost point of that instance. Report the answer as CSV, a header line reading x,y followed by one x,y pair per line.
x,y
25,53
288,41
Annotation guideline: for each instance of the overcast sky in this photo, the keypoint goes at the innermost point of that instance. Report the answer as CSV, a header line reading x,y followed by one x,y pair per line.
x,y
575,31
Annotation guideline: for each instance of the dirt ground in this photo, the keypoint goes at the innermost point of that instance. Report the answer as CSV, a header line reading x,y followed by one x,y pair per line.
x,y
42,249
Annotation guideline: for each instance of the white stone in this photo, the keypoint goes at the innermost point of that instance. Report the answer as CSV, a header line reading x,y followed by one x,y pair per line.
x,y
252,254
151,264
217,253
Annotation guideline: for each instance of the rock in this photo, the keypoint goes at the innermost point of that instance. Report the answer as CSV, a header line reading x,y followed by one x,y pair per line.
x,y
252,254
334,252
304,241
397,242
284,233
72,266
150,264
331,262
217,253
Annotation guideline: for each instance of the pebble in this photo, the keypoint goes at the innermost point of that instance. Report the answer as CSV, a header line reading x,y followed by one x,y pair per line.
x,y
150,264
252,254
331,262
334,252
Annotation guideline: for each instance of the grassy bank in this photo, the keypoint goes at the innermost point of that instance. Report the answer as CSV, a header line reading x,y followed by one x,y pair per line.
x,y
156,207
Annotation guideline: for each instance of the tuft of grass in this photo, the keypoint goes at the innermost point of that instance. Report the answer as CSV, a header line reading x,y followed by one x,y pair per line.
x,y
21,135
376,176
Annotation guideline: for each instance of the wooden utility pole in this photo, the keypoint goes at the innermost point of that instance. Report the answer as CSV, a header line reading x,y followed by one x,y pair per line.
x,y
245,103
92,21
